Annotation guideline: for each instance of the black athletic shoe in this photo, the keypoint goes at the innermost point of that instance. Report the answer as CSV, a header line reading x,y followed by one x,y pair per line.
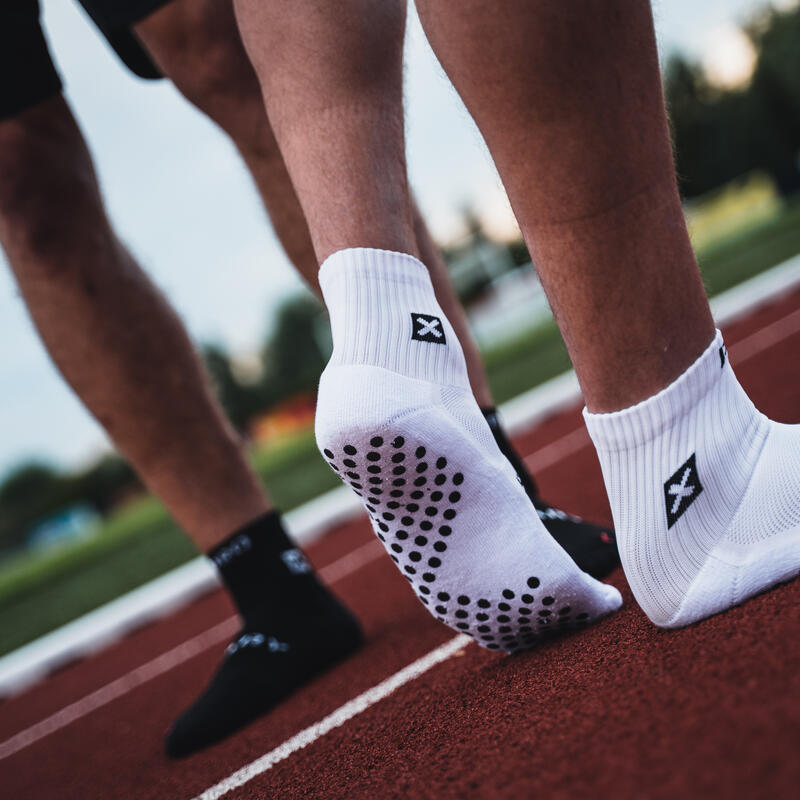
x,y
592,547
260,669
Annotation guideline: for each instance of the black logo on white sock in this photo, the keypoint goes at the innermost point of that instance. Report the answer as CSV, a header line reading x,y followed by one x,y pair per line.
x,y
425,328
722,354
681,490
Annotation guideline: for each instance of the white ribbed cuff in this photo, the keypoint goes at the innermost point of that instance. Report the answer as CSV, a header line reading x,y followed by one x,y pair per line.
x,y
375,300
365,263
620,430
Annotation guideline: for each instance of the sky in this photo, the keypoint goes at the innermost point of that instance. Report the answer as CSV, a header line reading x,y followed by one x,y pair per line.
x,y
180,198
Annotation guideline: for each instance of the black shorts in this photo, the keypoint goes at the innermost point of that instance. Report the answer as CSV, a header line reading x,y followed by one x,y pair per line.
x,y
27,73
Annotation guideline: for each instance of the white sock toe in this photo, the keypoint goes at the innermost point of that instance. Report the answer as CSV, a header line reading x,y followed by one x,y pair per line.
x,y
705,493
397,420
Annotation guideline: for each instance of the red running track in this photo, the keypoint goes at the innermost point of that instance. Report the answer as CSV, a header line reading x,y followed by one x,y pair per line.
x,y
620,709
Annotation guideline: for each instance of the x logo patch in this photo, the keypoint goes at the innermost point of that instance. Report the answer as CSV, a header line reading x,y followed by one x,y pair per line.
x,y
681,490
426,328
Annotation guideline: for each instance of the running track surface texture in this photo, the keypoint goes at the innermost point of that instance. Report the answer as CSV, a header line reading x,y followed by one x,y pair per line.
x,y
619,710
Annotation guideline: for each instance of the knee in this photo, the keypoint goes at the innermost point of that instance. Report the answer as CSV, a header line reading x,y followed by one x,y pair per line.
x,y
213,72
46,180
24,146
200,51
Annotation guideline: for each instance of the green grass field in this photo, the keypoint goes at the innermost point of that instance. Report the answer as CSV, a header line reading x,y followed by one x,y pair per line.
x,y
540,354
40,593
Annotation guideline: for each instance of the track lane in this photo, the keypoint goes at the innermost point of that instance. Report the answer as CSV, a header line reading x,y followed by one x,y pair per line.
x,y
560,476
221,632
720,694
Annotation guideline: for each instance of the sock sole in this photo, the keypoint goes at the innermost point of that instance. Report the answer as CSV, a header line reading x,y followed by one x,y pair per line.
x,y
413,462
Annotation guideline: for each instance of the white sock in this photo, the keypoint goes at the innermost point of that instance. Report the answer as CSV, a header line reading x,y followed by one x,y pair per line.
x,y
705,492
397,420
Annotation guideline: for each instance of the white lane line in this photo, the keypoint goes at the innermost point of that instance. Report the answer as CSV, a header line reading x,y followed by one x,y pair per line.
x,y
346,712
556,451
539,460
121,686
766,337
352,562
330,573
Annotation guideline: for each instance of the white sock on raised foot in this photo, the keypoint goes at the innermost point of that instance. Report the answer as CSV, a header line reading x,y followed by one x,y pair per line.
x,y
705,493
397,421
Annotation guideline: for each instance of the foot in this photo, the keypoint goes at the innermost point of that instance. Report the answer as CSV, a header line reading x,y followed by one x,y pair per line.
x,y
262,667
705,492
397,421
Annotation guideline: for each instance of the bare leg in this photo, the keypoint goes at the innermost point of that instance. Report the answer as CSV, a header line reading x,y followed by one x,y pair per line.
x,y
394,402
126,354
111,333
702,486
197,45
351,110
568,97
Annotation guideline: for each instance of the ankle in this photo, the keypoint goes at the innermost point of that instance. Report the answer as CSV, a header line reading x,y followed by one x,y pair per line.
x,y
384,313
679,468
262,570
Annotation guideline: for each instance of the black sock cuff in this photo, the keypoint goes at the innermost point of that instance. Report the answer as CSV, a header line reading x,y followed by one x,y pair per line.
x,y
507,449
259,560
263,535
490,415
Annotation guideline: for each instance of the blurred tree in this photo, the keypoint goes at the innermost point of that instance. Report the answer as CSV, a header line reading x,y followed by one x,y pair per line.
x,y
519,252
721,134
294,356
35,491
713,130
103,484
28,493
240,401
26,484
776,88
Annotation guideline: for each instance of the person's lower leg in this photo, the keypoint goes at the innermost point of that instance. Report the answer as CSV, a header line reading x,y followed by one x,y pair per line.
x,y
196,44
111,333
568,97
126,354
395,414
703,488
330,113
212,70
225,87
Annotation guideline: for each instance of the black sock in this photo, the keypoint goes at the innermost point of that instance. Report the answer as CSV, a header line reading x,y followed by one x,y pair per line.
x,y
265,574
293,629
591,547
507,449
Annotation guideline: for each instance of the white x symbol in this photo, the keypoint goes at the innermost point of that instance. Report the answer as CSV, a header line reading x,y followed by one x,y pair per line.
x,y
428,327
681,490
